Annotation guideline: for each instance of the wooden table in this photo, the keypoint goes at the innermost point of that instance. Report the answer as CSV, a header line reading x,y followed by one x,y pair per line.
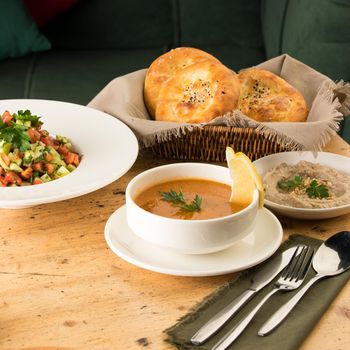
x,y
61,287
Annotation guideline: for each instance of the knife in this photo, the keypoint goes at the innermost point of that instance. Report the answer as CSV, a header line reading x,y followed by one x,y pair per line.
x,y
258,281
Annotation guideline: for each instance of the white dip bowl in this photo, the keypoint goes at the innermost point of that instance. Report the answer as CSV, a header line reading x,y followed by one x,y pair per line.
x,y
187,236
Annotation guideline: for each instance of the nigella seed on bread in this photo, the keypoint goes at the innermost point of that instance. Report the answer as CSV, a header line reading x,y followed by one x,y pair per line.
x,y
198,94
165,67
266,97
189,85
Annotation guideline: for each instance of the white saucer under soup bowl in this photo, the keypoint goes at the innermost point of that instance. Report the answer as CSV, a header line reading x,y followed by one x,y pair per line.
x,y
338,162
259,245
187,236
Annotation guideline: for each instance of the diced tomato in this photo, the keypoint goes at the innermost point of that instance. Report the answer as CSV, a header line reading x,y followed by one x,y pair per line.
x,y
48,157
49,141
26,174
38,166
50,168
12,178
5,158
44,133
34,135
8,179
62,149
69,158
7,117
18,180
76,160
37,182
72,158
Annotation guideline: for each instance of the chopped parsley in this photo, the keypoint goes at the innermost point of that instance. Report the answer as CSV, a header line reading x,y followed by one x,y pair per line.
x,y
178,199
15,134
317,190
195,205
173,197
25,116
313,189
290,185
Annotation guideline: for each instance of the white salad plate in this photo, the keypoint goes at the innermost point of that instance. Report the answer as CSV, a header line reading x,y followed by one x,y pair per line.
x,y
250,251
107,146
340,163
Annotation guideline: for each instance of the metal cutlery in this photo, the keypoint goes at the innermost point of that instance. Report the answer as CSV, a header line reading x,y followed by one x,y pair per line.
x,y
259,280
291,278
331,258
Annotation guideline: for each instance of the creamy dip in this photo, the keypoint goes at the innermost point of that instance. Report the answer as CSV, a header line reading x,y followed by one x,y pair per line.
x,y
336,182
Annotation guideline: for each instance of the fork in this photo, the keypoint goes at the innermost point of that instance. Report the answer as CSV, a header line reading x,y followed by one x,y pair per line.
x,y
291,278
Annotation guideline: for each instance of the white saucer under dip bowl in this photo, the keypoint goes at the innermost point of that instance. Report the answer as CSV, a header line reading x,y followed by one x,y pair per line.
x,y
181,235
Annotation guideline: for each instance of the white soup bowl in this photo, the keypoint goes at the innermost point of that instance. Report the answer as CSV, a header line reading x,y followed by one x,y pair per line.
x,y
187,236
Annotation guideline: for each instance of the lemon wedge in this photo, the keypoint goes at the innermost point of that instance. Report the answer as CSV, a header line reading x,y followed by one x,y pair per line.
x,y
230,154
245,178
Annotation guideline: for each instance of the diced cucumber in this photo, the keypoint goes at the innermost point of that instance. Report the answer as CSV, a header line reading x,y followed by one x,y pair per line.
x,y
15,167
38,151
45,178
14,158
62,139
56,157
62,171
71,167
6,148
24,122
28,157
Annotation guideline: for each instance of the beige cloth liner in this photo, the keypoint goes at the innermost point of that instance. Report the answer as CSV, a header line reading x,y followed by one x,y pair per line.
x,y
327,102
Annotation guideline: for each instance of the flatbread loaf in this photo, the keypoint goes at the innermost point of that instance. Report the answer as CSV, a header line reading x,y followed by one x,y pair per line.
x,y
266,97
198,93
165,66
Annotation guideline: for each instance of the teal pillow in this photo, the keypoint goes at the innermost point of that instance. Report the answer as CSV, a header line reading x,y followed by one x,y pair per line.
x,y
19,34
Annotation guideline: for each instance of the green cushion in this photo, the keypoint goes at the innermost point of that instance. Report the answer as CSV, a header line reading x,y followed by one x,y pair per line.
x,y
315,32
225,22
19,34
72,76
14,77
113,24
318,34
272,16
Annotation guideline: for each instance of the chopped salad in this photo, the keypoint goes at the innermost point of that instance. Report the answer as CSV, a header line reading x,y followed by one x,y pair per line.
x,y
29,155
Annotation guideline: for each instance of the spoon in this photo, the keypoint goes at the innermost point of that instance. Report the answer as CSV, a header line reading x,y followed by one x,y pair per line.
x,y
331,259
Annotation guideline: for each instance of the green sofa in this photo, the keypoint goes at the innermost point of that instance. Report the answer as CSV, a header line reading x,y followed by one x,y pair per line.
x,y
98,40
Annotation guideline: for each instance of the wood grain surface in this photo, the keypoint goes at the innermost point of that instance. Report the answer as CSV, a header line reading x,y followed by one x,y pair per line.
x,y
61,287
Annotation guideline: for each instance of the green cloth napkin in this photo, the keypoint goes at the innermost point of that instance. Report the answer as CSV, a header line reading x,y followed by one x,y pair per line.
x,y
289,335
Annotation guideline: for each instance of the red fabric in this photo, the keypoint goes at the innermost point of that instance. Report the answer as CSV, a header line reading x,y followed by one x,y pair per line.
x,y
44,11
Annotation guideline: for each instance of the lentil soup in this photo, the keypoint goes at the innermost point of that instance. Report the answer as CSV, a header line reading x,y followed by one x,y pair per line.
x,y
191,199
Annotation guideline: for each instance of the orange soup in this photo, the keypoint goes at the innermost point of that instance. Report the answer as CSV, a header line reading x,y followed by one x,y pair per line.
x,y
193,199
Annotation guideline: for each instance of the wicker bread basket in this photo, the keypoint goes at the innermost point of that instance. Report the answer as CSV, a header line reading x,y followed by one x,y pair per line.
x,y
209,144
123,98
